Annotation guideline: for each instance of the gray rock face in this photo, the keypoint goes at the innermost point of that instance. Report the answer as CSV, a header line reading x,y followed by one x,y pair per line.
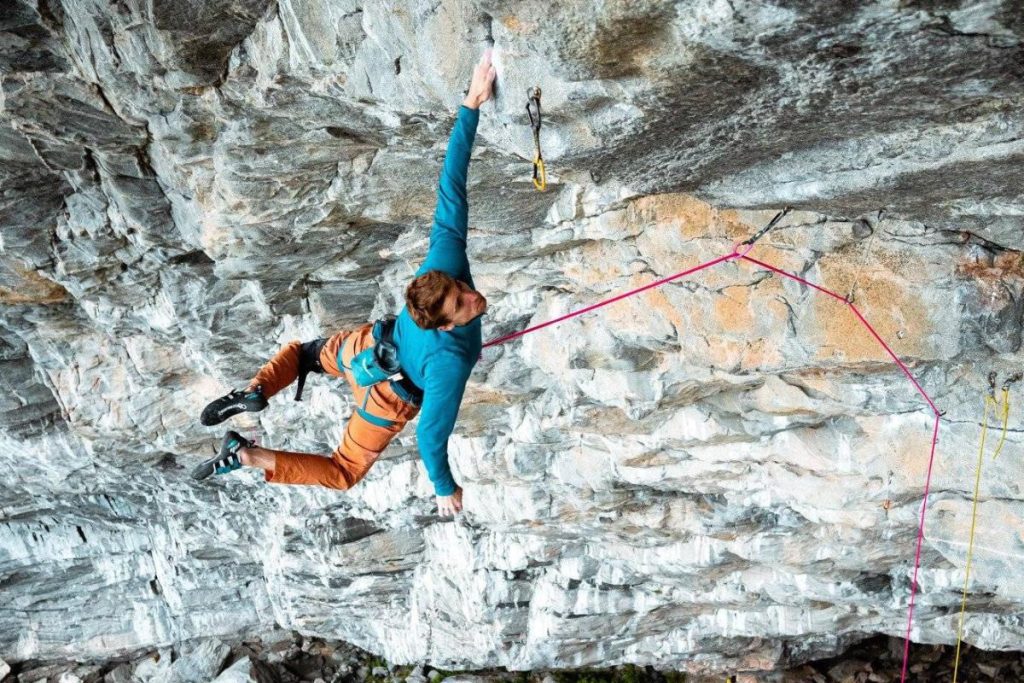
x,y
724,472
244,671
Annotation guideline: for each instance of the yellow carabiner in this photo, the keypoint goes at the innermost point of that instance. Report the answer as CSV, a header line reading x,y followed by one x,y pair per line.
x,y
539,172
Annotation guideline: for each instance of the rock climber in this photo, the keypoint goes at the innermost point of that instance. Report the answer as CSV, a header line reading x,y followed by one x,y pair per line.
x,y
417,363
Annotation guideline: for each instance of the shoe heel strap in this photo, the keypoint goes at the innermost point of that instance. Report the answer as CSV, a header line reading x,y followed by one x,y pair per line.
x,y
231,460
227,464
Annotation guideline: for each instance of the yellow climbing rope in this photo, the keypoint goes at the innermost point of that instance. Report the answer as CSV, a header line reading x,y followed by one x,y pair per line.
x,y
1004,405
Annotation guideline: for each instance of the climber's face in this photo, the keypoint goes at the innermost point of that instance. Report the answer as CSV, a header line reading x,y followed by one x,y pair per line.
x,y
463,305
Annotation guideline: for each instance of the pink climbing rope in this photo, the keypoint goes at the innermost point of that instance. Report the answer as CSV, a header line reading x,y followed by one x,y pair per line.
x,y
742,254
625,295
917,553
857,313
931,456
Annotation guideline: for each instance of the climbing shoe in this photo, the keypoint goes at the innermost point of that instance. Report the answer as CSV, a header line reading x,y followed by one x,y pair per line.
x,y
227,460
232,404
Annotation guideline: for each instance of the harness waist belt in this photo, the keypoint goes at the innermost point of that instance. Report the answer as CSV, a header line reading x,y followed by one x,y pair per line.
x,y
384,331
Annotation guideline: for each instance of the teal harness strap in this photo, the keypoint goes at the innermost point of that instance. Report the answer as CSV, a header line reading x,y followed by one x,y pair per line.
x,y
370,417
363,412
374,420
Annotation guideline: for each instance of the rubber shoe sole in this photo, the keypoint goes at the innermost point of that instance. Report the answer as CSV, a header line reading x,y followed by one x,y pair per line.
x,y
232,404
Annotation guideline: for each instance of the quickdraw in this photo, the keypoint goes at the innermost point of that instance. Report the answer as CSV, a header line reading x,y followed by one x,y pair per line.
x,y
540,177
763,231
747,245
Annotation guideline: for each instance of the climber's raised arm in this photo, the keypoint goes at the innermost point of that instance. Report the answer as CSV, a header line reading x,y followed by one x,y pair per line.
x,y
451,217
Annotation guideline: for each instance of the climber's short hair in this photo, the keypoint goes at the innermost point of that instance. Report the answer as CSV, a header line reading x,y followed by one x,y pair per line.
x,y
425,298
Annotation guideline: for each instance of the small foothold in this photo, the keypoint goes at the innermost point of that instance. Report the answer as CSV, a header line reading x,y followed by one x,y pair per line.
x,y
862,229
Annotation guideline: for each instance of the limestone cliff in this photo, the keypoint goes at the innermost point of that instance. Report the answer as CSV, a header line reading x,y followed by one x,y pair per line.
x,y
724,472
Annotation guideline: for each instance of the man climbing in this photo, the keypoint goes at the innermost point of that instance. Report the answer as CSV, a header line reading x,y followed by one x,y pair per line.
x,y
434,343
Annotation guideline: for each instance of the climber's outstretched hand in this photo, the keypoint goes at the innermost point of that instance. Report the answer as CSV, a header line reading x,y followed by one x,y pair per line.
x,y
483,82
449,506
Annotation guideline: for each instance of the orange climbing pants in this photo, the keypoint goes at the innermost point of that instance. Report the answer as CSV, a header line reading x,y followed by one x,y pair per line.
x,y
379,415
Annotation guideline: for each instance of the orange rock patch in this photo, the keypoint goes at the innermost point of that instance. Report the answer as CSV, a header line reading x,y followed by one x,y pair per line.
x,y
33,289
1004,266
732,310
631,313
689,216
761,353
886,300
516,25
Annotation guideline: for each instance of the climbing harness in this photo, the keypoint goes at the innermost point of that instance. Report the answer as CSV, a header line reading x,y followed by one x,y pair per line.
x,y
991,402
378,362
540,176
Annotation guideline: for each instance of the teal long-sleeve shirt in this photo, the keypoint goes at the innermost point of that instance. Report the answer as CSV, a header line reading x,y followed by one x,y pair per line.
x,y
440,362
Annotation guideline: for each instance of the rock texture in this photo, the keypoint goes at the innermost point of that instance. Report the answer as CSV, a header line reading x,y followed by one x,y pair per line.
x,y
723,473
280,657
